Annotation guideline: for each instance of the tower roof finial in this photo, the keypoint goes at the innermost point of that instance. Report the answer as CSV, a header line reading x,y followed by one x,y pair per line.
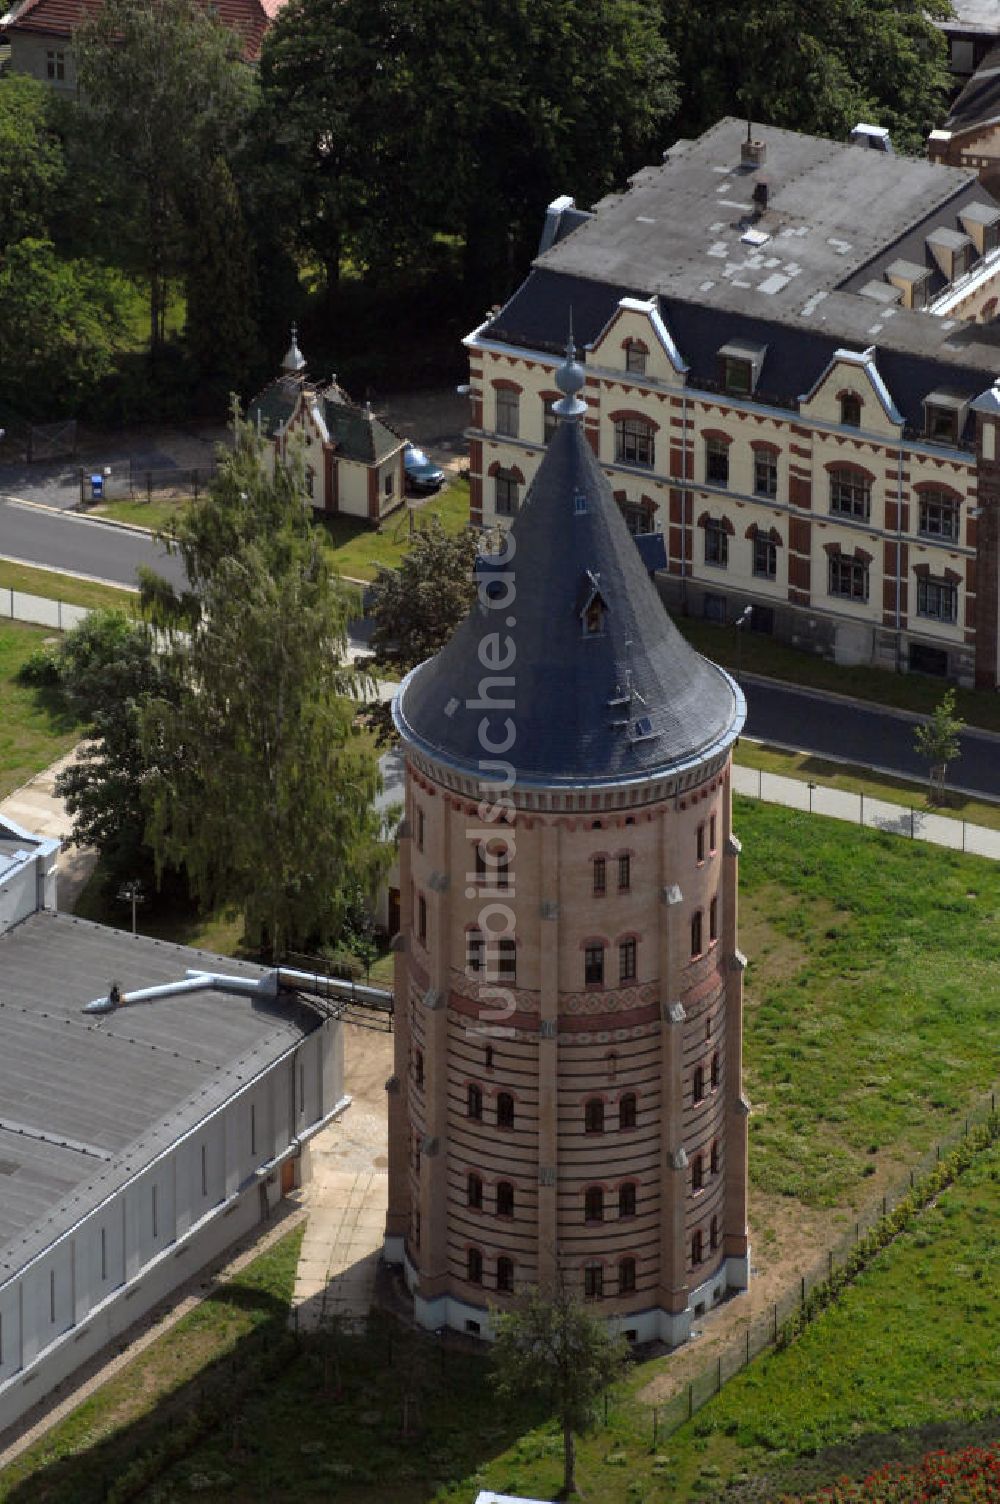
x,y
570,379
294,362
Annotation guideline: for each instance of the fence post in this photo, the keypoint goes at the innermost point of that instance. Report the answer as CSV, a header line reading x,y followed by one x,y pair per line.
x,y
861,797
718,1377
748,1347
690,1400
656,1416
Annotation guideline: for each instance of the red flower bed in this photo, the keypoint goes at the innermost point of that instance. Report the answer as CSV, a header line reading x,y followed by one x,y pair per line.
x,y
971,1476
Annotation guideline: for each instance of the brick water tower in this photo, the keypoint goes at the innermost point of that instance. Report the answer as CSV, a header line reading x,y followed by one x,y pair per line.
x,y
567,1091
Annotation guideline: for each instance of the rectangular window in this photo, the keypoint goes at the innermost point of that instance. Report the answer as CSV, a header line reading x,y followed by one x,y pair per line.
x,y
848,578
939,516
942,424
55,66
850,494
507,961
593,1281
696,933
626,961
600,876
765,473
422,919
390,483
737,376
716,545
937,599
624,873
700,844
711,834
508,412
593,965
713,919
506,494
765,558
550,420
716,462
635,358
634,443
850,410
420,828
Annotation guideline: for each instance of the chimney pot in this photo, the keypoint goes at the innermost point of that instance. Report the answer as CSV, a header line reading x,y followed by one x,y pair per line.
x,y
753,153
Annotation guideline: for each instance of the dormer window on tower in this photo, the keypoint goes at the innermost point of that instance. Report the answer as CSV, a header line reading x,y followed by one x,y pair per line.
x,y
593,608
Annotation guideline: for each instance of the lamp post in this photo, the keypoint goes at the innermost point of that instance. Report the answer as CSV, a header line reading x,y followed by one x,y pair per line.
x,y
741,621
131,892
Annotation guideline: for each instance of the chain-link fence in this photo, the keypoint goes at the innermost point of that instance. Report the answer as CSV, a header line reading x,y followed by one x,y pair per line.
x,y
124,480
766,1329
862,809
18,605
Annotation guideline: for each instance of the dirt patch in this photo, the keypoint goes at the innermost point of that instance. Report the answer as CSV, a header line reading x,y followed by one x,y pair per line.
x,y
436,421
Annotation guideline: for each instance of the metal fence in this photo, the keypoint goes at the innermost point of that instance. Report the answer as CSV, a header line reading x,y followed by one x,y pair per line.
x,y
862,809
764,1331
123,480
18,605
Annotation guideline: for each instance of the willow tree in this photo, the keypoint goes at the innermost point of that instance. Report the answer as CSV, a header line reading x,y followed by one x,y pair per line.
x,y
264,786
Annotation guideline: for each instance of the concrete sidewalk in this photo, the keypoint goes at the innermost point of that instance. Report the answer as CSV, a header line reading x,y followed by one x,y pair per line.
x,y
37,809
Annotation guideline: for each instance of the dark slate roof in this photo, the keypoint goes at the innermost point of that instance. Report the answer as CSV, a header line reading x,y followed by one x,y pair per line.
x,y
979,101
536,316
358,434
273,407
101,1096
563,679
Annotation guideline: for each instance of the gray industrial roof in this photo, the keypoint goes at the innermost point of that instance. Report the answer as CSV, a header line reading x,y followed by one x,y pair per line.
x,y
623,703
837,215
87,1100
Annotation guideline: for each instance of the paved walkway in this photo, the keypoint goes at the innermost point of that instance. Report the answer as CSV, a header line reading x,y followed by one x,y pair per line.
x,y
35,807
862,809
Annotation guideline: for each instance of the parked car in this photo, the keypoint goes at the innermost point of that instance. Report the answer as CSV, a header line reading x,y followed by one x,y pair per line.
x,y
421,473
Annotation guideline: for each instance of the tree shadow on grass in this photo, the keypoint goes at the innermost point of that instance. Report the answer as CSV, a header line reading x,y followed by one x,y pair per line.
x,y
387,1412
863,1455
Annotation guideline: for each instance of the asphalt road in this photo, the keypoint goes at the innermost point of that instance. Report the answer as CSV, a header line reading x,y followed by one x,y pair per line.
x,y
80,545
870,736
776,713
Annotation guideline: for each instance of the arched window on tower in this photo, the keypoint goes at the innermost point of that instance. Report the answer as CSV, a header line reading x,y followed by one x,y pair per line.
x,y
505,1198
474,1101
698,1084
505,1110
697,1173
593,1204
715,1071
593,1116
696,1249
474,1266
474,1191
713,1236
628,1110
505,1274
716,1157
418,1068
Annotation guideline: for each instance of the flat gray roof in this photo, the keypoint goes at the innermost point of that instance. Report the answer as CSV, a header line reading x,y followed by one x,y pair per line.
x,y
837,216
87,1100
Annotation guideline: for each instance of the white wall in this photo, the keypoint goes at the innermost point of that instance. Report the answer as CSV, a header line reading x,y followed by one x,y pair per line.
x,y
77,1296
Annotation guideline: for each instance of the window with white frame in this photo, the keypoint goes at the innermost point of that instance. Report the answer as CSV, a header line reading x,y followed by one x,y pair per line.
x,y
765,557
765,473
848,578
937,599
506,493
635,443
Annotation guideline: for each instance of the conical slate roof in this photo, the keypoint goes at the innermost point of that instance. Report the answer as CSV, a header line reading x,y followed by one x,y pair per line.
x,y
598,684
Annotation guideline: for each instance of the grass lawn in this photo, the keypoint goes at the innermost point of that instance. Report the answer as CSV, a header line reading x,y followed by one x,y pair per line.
x,y
207,1349
873,997
807,768
62,587
357,550
155,514
34,728
777,660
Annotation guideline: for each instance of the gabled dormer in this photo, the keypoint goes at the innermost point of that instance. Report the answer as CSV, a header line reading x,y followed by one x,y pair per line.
x,y
851,394
637,343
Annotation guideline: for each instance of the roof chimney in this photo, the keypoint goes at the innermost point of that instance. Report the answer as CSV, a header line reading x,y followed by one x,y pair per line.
x,y
752,153
760,194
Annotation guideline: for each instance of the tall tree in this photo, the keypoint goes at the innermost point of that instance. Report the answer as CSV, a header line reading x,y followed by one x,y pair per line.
x,y
551,1348
107,670
265,790
32,167
812,65
58,322
221,331
164,92
417,606
402,122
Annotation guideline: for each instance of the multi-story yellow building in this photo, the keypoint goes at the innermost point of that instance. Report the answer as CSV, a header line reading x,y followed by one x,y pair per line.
x,y
790,373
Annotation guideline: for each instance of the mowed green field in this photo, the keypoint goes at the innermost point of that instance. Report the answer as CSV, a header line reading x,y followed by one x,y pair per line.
x,y
872,998
34,729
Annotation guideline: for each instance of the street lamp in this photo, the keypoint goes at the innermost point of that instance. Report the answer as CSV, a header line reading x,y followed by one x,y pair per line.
x,y
741,621
131,892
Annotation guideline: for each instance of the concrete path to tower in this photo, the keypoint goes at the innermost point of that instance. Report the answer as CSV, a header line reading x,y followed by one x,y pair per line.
x,y
345,1200
861,809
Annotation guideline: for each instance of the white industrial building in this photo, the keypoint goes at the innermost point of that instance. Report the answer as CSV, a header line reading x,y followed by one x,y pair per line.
x,y
140,1138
